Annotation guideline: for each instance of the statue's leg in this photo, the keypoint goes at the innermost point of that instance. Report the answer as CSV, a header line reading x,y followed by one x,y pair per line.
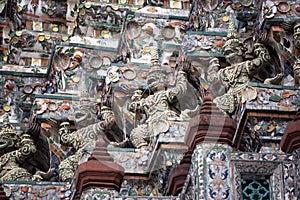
x,y
225,103
67,167
140,136
17,174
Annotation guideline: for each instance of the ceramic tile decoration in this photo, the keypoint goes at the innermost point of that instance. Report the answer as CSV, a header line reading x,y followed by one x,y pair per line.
x,y
149,99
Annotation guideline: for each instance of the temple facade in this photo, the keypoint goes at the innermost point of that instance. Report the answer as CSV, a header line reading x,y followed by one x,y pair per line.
x,y
150,99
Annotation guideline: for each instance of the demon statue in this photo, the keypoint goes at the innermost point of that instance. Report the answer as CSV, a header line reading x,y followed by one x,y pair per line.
x,y
157,106
238,73
20,156
84,138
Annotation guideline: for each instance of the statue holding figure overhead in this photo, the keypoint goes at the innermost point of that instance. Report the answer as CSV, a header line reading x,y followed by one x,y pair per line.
x,y
20,156
83,138
237,74
157,106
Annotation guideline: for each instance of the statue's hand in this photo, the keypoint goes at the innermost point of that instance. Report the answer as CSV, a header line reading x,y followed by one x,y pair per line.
x,y
34,130
276,80
137,95
122,144
187,67
40,175
258,48
260,51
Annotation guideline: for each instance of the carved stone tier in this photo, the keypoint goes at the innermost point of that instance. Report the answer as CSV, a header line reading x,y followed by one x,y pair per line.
x,y
210,126
274,106
291,138
178,175
98,172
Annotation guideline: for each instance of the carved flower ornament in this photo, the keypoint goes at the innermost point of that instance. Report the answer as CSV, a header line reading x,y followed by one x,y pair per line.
x,y
269,9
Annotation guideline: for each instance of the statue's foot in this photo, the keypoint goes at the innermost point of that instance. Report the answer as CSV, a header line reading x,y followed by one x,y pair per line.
x,y
122,144
275,80
45,175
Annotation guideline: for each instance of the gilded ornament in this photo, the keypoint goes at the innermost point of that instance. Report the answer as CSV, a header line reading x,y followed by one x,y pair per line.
x,y
6,108
176,4
55,28
271,128
225,18
257,127
37,26
70,31
41,37
36,62
15,40
87,4
115,7
65,38
147,49
82,11
287,94
47,37
18,33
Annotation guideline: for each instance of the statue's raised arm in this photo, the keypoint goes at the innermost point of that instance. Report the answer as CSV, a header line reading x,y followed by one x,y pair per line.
x,y
181,83
156,106
236,75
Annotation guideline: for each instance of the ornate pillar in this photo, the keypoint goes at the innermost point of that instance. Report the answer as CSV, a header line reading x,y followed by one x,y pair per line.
x,y
290,143
99,175
209,137
179,174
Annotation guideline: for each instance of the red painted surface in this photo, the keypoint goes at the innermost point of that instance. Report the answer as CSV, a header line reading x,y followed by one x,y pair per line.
x,y
291,138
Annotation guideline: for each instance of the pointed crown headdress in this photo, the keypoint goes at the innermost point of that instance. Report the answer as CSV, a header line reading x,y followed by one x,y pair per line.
x,y
232,37
155,72
7,129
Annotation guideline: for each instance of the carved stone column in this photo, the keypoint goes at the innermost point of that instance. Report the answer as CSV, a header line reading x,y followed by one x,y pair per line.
x,y
99,172
178,175
290,143
209,137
